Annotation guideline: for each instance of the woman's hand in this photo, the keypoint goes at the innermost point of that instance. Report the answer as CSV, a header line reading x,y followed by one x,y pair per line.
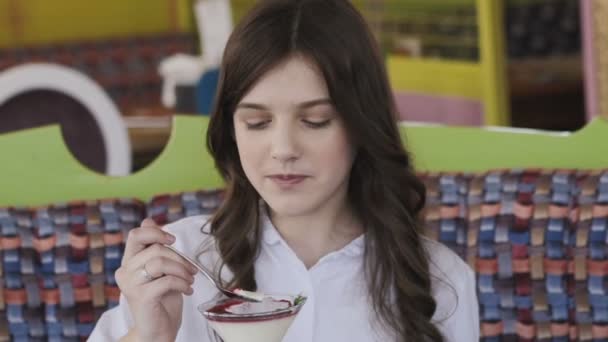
x,y
153,278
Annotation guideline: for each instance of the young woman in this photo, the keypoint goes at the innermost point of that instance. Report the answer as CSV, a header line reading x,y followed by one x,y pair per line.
x,y
321,198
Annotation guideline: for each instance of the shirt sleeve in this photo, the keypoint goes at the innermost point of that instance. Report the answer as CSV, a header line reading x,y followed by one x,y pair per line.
x,y
113,324
455,293
463,323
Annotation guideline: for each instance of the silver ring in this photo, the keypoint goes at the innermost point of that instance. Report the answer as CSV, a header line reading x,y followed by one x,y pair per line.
x,y
145,274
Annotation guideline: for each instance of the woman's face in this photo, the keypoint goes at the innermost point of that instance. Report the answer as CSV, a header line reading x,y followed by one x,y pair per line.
x,y
292,144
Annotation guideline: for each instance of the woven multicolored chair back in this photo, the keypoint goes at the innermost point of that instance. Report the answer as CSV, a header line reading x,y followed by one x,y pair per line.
x,y
537,241
58,265
58,262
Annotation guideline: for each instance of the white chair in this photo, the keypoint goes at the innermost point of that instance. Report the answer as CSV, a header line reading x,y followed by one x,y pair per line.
x,y
214,23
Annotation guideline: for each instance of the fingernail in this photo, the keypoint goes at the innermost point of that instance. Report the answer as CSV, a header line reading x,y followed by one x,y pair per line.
x,y
193,269
170,238
190,291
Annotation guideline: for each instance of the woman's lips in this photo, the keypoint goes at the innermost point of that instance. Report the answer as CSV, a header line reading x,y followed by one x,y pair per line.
x,y
285,181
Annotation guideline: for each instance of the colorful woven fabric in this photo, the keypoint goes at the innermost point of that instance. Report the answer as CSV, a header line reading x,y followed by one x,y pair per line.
x,y
58,266
536,239
170,208
58,262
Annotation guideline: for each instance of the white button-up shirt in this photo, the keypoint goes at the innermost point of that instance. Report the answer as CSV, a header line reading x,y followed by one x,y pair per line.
x,y
337,308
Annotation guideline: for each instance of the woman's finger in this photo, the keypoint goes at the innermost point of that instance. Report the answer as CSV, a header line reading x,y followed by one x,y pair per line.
x,y
148,222
154,251
139,238
157,288
163,266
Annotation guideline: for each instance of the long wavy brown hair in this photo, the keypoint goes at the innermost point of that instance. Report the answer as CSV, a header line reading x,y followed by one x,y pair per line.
x,y
383,189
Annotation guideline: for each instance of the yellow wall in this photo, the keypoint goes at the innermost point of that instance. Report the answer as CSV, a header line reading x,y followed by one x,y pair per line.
x,y
32,22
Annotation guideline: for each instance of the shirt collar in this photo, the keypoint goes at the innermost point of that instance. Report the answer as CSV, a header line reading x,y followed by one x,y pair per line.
x,y
270,235
356,247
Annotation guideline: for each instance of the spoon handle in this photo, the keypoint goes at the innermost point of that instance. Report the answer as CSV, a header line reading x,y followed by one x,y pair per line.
x,y
197,265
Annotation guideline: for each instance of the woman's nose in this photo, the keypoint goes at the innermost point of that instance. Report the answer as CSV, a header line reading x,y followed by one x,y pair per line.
x,y
284,144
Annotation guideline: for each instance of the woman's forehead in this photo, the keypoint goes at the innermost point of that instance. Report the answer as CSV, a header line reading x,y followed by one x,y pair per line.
x,y
295,80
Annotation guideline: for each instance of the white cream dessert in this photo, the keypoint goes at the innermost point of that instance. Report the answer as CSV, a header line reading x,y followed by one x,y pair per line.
x,y
266,305
236,320
256,296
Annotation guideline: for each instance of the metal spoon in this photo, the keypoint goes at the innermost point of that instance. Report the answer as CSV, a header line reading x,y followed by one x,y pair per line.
x,y
238,293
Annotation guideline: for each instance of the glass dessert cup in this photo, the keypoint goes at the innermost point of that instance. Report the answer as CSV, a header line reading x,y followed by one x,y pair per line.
x,y
237,320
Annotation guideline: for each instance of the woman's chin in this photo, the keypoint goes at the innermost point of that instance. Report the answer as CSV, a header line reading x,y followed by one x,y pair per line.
x,y
288,208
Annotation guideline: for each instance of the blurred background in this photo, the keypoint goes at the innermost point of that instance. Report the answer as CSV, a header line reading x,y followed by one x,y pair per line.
x,y
520,63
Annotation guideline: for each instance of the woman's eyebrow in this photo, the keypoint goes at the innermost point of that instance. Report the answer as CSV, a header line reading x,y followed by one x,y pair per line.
x,y
312,103
247,105
302,105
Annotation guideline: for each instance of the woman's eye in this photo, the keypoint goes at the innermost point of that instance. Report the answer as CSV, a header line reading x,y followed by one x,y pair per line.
x,y
257,124
317,124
